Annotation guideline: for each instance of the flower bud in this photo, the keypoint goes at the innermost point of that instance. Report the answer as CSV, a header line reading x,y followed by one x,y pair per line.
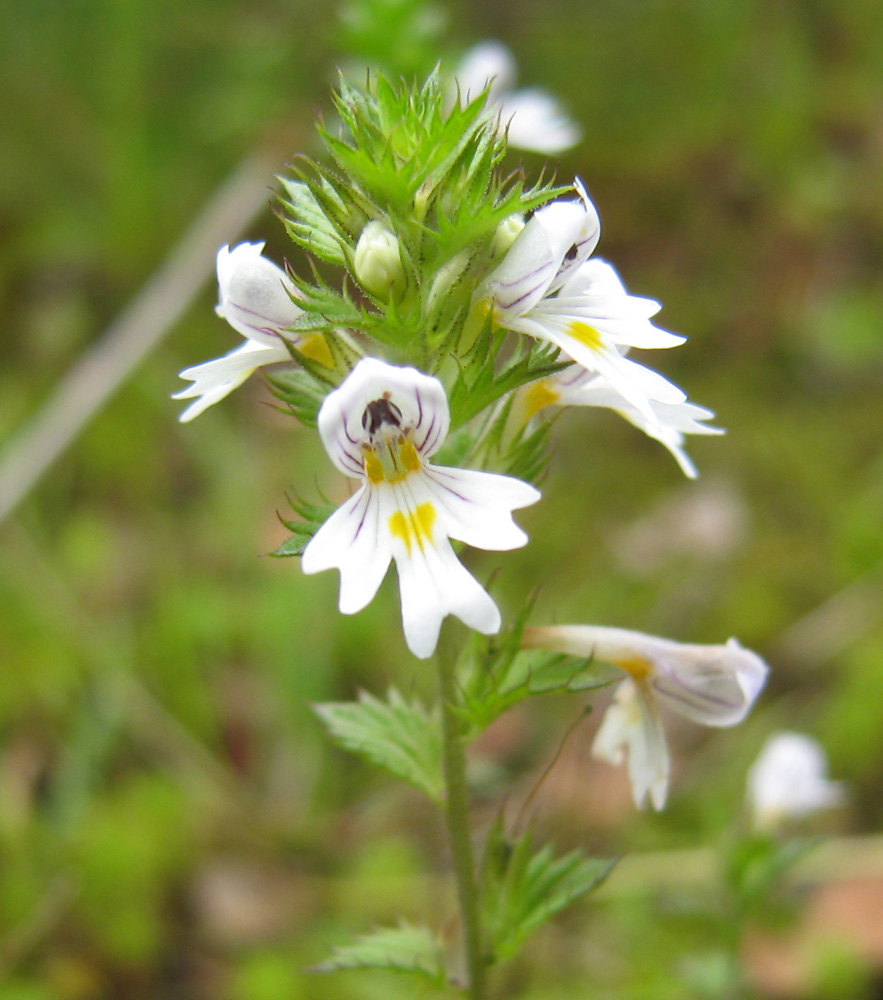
x,y
505,235
255,295
377,263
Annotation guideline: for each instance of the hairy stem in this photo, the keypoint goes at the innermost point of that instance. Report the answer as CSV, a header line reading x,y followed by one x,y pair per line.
x,y
459,828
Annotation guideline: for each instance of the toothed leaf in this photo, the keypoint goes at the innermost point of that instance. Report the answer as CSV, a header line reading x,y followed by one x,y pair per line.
x,y
398,735
407,948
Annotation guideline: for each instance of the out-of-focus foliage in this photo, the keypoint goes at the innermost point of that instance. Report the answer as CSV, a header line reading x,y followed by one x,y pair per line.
x,y
171,822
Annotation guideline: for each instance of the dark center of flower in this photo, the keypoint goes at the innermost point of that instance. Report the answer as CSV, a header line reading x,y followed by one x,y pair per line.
x,y
380,412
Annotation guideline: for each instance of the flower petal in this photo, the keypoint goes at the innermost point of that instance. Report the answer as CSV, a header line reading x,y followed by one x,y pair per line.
x,y
488,63
632,727
671,424
557,238
712,685
213,380
535,121
420,400
355,541
255,294
433,584
475,507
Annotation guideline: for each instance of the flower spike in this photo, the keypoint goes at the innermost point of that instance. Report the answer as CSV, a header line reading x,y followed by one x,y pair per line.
x,y
711,685
380,427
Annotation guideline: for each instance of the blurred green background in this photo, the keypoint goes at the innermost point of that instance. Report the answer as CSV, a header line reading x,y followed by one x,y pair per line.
x,y
172,821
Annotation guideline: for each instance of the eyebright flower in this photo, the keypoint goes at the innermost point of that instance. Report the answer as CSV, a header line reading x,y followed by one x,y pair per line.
x,y
547,289
578,387
380,427
255,297
532,117
788,781
711,685
376,262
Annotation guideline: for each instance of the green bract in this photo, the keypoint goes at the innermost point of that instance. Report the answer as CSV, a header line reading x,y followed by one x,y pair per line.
x,y
427,174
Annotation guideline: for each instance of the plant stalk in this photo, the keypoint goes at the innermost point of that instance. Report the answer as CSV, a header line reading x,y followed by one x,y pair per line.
x,y
457,814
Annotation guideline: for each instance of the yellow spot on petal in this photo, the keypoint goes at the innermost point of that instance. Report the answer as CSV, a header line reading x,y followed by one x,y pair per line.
x,y
488,307
391,460
414,527
586,335
409,457
316,348
537,396
373,467
639,667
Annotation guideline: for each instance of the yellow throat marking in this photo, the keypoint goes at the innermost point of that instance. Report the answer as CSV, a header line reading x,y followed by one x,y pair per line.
x,y
315,347
587,335
637,666
391,461
537,396
414,526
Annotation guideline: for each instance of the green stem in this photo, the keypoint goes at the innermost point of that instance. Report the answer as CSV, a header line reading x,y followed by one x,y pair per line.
x,y
459,828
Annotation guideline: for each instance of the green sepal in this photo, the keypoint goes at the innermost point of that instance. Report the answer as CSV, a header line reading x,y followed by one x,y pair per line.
x,y
324,309
303,389
498,674
522,888
299,392
527,455
479,384
407,948
312,515
398,735
401,141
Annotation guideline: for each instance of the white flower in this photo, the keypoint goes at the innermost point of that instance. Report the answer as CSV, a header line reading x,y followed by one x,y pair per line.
x,y
546,288
789,781
380,427
255,297
533,118
376,262
712,685
578,387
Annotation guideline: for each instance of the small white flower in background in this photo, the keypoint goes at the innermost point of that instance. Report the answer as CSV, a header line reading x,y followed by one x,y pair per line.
x,y
380,427
533,118
255,297
546,288
711,685
376,262
788,781
578,387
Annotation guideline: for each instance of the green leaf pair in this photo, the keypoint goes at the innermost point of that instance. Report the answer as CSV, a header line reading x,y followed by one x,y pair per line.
x,y
523,888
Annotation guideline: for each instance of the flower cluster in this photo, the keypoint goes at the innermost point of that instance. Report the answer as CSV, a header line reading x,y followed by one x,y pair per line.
x,y
446,263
